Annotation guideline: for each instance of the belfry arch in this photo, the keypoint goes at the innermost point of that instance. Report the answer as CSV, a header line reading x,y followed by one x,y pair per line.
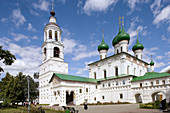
x,y
138,98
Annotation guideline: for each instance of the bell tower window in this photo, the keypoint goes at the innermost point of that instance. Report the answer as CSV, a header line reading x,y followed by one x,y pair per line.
x,y
56,52
50,34
116,71
105,74
45,53
56,37
121,49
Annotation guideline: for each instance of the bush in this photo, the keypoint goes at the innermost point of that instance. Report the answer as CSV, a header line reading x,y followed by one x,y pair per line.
x,y
150,105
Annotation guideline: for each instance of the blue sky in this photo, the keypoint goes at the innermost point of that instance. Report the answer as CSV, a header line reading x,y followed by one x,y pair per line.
x,y
22,23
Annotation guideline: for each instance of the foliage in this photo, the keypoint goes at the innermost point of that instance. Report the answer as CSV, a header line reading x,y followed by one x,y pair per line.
x,y
15,89
7,57
150,105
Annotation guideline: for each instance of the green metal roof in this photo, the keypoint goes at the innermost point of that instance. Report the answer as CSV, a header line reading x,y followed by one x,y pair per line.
x,y
152,63
151,75
74,78
103,46
123,36
115,40
137,46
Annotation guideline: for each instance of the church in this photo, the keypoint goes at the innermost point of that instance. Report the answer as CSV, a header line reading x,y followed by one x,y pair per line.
x,y
121,77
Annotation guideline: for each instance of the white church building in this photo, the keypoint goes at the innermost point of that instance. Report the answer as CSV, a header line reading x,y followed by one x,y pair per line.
x,y
121,77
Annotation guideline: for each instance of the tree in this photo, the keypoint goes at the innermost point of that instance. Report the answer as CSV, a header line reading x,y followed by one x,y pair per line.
x,y
7,57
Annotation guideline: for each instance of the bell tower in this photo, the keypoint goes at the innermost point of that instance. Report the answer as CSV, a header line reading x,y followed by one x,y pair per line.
x,y
52,58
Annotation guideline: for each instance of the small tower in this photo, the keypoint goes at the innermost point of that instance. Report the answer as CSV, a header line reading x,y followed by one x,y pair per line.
x,y
138,48
121,41
152,65
103,48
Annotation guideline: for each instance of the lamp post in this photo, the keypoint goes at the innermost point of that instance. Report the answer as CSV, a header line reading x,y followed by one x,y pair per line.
x,y
28,97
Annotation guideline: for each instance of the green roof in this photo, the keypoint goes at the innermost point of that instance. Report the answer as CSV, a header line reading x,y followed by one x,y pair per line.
x,y
123,36
103,46
151,75
152,63
115,40
137,46
74,78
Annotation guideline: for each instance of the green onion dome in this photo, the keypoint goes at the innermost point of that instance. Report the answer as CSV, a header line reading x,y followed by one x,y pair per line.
x,y
123,36
115,40
152,63
103,46
137,46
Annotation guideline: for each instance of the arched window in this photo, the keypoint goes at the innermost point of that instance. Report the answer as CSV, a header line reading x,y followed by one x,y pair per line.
x,y
50,34
86,89
128,70
56,52
104,74
117,51
80,91
121,96
56,36
116,71
94,75
45,52
134,71
140,72
121,49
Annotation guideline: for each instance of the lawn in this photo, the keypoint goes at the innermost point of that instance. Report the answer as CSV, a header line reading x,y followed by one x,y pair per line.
x,y
24,110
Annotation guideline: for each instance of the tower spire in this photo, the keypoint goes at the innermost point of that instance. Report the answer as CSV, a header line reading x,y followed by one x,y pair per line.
x,y
102,34
122,23
52,11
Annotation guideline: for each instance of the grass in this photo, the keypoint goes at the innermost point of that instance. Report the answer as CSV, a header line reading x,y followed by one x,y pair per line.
x,y
25,110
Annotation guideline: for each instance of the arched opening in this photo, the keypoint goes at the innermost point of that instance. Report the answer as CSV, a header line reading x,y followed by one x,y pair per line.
x,y
128,70
121,49
134,71
158,96
50,34
138,98
56,36
121,96
117,51
94,75
104,73
45,52
116,71
56,52
70,98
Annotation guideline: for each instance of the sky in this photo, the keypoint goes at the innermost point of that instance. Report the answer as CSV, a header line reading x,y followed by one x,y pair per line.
x,y
81,21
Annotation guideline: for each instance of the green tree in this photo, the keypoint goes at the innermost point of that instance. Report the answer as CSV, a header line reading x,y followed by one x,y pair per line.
x,y
7,57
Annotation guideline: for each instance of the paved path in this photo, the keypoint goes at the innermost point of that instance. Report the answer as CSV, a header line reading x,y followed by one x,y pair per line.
x,y
120,108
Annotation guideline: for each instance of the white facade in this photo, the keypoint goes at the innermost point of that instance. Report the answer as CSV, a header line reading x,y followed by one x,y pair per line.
x,y
111,79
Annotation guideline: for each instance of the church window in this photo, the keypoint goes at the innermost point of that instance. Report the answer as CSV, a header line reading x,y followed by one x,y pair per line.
x,y
134,71
103,85
117,83
94,98
94,75
80,91
45,52
140,72
163,82
117,51
50,34
103,97
136,56
157,81
140,84
128,70
105,74
56,36
56,52
100,57
121,49
151,83
116,71
121,96
123,82
96,86
109,84
86,89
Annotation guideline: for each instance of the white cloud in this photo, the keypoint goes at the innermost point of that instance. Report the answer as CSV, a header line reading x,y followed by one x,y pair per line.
x,y
132,4
159,57
161,64
4,19
80,70
167,54
26,61
69,45
34,37
83,55
153,48
165,39
164,15
97,5
17,17
18,37
34,12
30,27
42,5
155,7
